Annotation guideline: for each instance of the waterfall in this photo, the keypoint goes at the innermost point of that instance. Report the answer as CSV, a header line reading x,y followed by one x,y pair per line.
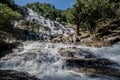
x,y
60,61
47,27
50,24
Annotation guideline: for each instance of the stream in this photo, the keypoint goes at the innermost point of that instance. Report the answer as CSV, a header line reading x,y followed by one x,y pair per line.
x,y
44,60
60,61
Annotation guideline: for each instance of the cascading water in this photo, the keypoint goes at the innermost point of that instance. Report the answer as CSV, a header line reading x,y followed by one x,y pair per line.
x,y
47,28
40,59
44,61
112,53
52,27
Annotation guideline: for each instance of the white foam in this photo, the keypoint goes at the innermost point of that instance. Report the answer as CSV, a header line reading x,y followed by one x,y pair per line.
x,y
44,61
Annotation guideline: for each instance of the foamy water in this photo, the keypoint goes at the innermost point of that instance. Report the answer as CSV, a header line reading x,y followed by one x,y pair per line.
x,y
44,61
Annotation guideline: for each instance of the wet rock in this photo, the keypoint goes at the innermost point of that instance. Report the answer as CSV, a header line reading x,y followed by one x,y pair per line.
x,y
84,61
93,66
5,48
75,52
103,71
14,75
89,62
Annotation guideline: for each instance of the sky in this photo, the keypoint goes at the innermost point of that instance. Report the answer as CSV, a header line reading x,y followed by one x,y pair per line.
x,y
59,4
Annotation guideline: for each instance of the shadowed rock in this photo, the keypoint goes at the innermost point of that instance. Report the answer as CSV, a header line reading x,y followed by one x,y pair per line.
x,y
89,62
93,66
6,47
84,61
14,75
75,52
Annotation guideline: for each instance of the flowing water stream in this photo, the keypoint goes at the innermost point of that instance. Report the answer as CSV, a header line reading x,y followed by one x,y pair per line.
x,y
43,60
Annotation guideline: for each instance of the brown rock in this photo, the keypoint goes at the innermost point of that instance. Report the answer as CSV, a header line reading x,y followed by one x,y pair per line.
x,y
114,39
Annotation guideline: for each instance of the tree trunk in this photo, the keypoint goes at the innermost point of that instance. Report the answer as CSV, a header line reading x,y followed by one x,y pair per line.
x,y
78,28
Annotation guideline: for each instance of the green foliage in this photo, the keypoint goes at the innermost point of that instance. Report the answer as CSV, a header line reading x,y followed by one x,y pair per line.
x,y
37,27
10,3
7,14
69,18
89,13
49,11
44,9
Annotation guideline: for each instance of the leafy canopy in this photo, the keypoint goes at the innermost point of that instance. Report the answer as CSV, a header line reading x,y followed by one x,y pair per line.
x,y
89,13
7,14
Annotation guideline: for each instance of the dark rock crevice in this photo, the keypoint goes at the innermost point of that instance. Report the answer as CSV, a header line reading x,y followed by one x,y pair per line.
x,y
14,75
5,48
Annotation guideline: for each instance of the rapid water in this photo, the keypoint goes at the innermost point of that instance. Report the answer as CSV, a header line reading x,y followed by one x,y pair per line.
x,y
50,27
43,60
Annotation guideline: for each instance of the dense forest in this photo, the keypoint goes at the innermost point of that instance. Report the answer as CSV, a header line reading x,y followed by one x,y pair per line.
x,y
49,11
93,15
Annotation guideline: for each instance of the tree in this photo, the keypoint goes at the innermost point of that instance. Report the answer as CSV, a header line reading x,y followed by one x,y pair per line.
x,y
7,14
10,3
48,11
88,13
68,15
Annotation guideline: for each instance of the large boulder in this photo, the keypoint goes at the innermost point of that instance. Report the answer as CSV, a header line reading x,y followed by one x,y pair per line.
x,y
5,48
101,71
75,52
81,60
93,66
89,62
14,75
7,42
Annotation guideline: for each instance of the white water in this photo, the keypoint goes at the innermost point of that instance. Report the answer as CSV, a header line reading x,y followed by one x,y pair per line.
x,y
112,53
44,61
52,27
